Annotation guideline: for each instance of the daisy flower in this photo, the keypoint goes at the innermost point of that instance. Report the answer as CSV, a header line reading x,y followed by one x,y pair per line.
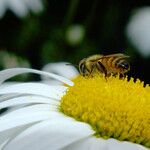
x,y
20,7
86,113
138,31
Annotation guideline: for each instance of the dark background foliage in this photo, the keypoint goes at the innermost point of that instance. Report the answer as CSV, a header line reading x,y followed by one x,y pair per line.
x,y
42,38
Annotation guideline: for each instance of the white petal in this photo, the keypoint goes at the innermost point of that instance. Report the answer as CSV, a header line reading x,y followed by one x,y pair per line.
x,y
7,135
62,69
3,7
138,30
35,5
25,116
52,134
8,73
113,144
18,7
89,143
4,143
93,143
9,96
27,100
55,92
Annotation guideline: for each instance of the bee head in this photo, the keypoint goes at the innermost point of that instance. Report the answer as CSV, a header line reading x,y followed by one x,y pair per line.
x,y
124,65
82,67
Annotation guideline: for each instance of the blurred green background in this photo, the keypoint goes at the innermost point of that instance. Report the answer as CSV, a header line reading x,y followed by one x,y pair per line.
x,y
70,30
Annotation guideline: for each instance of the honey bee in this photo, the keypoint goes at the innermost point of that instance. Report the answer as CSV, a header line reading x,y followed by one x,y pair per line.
x,y
106,64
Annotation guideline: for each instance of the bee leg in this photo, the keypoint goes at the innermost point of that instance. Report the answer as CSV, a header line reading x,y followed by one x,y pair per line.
x,y
86,72
91,71
107,75
121,76
100,67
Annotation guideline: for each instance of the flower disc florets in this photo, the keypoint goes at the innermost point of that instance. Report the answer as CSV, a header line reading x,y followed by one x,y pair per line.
x,y
115,108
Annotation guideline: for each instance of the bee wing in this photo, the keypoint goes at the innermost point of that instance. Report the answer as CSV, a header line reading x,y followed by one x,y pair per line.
x,y
116,55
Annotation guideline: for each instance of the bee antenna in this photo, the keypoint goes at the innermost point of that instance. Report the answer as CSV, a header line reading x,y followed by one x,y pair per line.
x,y
72,64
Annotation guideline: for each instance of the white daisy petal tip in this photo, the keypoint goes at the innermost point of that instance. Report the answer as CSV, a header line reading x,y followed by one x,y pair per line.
x,y
63,69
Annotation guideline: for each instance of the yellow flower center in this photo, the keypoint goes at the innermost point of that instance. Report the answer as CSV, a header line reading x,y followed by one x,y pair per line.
x,y
114,108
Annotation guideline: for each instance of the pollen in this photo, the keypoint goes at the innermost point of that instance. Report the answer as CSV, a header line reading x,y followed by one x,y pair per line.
x,y
115,108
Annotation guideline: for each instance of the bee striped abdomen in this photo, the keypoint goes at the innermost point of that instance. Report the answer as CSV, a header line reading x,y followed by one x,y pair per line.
x,y
108,63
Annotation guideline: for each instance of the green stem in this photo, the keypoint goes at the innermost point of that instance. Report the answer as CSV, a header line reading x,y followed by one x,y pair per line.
x,y
71,12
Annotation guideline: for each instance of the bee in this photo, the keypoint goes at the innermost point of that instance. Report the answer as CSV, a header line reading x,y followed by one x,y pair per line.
x,y
106,64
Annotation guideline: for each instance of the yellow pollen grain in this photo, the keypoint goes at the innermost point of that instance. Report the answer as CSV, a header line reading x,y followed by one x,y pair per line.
x,y
115,108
